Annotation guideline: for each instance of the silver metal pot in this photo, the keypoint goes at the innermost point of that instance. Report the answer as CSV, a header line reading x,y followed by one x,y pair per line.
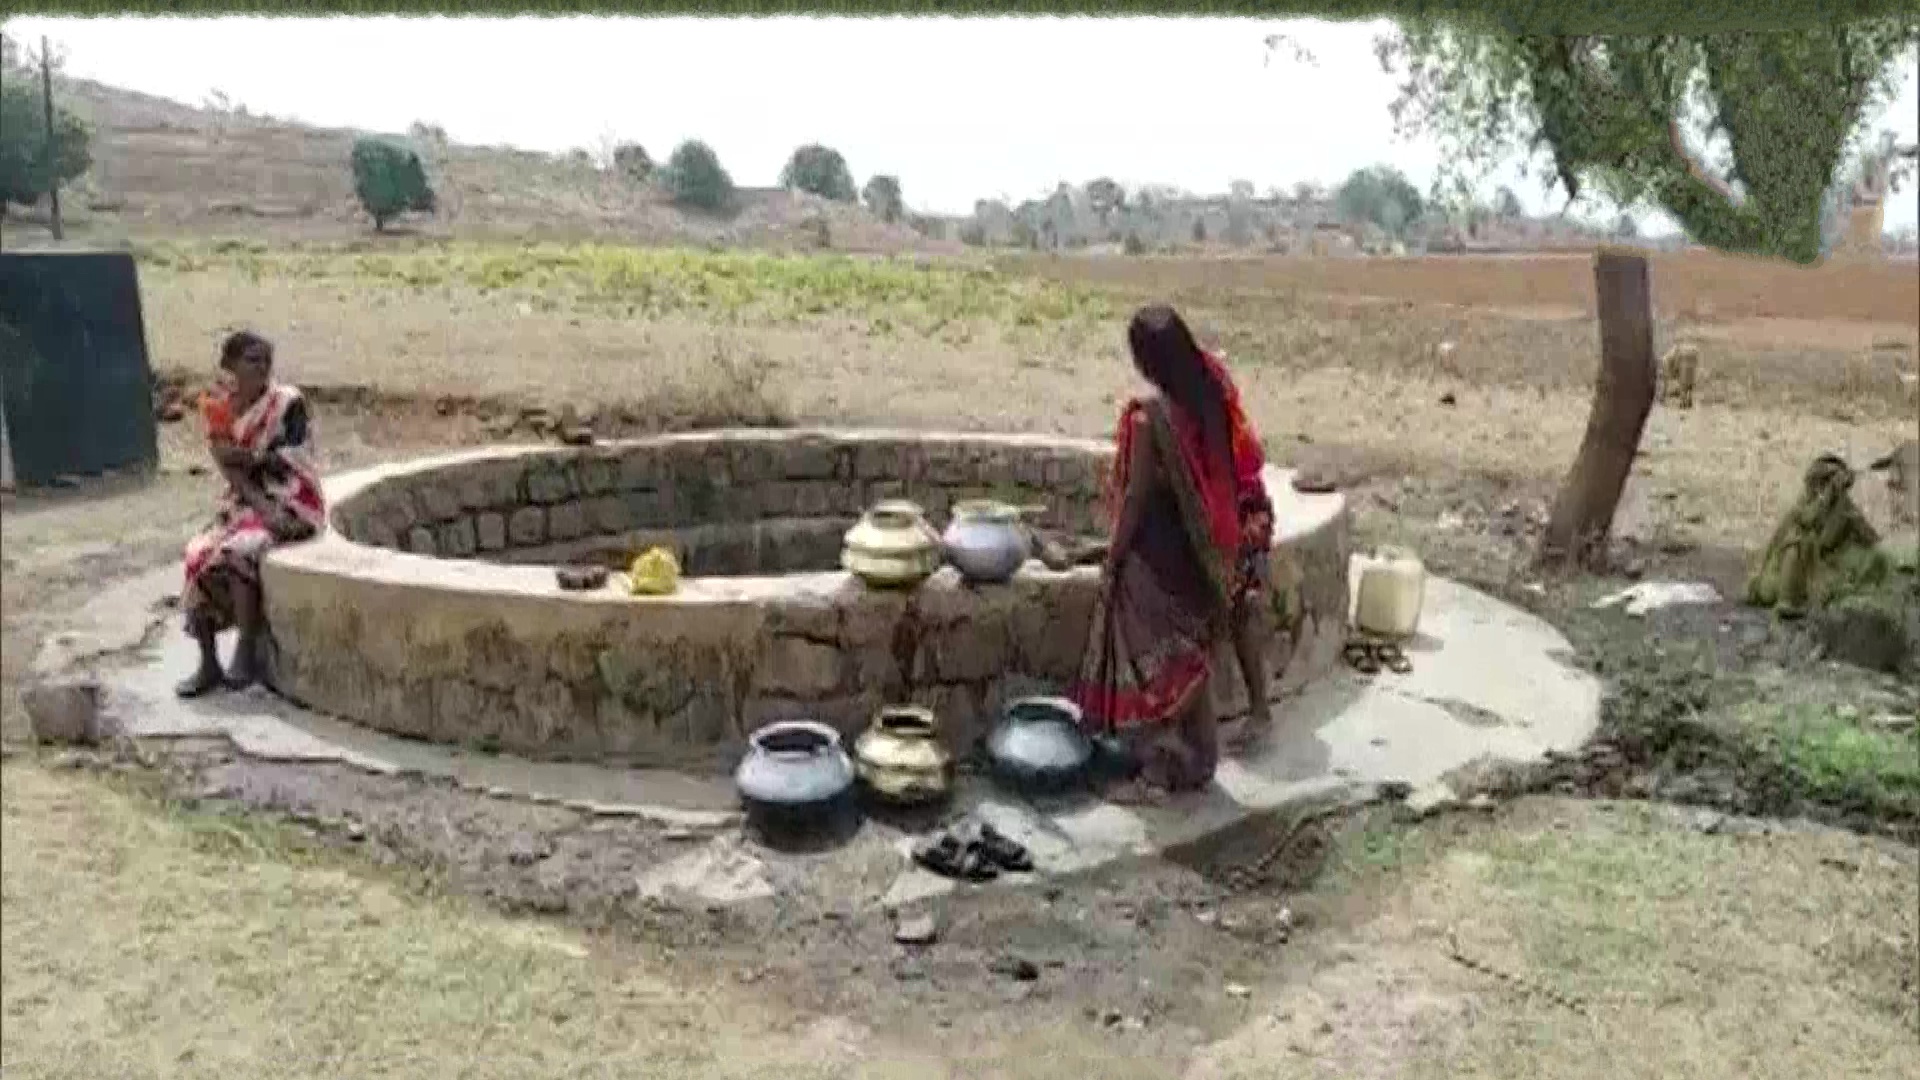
x,y
1039,748
986,541
796,781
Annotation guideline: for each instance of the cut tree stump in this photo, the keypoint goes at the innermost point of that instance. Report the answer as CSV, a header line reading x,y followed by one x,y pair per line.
x,y
1582,519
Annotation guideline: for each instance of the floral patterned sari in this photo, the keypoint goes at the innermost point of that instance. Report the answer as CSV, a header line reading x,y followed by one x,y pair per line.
x,y
291,507
1196,553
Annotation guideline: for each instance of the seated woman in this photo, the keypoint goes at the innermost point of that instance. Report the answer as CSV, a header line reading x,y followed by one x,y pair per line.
x,y
1188,555
273,497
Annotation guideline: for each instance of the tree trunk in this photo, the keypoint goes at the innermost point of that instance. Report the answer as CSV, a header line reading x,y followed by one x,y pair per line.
x,y
1582,518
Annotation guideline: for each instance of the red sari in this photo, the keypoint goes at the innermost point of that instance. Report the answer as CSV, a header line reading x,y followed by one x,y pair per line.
x,y
276,428
1201,547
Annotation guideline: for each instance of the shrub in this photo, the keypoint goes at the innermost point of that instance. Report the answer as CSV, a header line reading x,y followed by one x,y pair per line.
x,y
882,196
389,180
694,177
973,234
25,170
723,389
631,161
819,170
1134,245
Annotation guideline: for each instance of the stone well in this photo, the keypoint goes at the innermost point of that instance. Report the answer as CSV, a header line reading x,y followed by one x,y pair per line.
x,y
430,609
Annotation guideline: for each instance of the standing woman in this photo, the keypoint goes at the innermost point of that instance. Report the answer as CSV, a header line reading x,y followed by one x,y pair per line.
x,y
263,448
1191,532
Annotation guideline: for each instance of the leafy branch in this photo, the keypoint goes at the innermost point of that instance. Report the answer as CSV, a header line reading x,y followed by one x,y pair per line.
x,y
1611,114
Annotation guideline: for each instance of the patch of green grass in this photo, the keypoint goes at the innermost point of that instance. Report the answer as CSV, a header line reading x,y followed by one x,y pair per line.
x,y
724,286
1805,737
1835,756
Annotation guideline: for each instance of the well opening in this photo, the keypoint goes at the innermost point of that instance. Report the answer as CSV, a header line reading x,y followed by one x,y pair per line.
x,y
746,506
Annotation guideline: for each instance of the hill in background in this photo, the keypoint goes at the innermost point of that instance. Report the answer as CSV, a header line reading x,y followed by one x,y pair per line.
x,y
165,168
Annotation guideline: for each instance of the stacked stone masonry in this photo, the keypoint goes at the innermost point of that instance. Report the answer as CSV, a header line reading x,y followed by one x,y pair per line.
x,y
430,609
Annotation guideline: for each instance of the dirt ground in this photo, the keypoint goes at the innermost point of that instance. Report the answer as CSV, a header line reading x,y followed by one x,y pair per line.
x,y
302,921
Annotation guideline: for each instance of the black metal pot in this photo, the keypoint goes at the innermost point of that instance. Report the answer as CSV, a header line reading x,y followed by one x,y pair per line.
x,y
1038,748
796,784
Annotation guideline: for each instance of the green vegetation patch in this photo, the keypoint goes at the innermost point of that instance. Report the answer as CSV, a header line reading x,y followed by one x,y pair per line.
x,y
653,282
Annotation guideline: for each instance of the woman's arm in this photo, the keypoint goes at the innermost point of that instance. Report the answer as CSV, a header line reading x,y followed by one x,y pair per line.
x,y
1142,474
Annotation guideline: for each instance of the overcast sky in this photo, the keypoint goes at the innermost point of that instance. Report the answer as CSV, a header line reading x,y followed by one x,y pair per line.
x,y
958,109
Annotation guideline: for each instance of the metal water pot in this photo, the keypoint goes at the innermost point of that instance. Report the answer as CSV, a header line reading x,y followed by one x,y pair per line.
x,y
892,546
900,759
1038,746
986,541
796,778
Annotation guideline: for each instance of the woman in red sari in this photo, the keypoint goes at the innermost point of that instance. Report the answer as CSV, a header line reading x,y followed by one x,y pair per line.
x,y
263,447
1188,555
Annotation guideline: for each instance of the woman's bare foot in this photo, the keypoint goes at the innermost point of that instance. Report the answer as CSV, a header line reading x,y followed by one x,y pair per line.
x,y
1251,732
203,681
1135,792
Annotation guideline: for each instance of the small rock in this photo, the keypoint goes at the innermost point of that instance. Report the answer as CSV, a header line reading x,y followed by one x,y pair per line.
x,y
1448,398
679,833
527,850
65,710
1237,990
1483,802
356,831
1013,967
1429,800
1895,722
1868,636
916,929
1393,790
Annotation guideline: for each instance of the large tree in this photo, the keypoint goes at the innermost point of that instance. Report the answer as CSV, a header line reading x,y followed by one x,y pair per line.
x,y
1779,113
389,180
819,170
1380,194
694,177
27,170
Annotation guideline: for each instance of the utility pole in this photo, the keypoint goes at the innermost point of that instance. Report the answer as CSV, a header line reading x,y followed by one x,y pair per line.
x,y
46,92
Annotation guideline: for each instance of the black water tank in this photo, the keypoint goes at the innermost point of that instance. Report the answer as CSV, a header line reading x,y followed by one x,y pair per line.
x,y
73,363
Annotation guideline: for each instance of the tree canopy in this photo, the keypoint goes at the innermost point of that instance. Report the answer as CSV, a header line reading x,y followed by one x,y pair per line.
x,y
694,177
389,180
1382,195
882,196
1612,114
819,170
631,161
26,170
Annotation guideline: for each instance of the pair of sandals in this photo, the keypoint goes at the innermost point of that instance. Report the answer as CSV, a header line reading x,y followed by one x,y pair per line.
x,y
1368,657
982,856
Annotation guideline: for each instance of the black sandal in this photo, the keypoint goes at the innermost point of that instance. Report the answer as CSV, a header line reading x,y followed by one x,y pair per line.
x,y
1361,657
580,578
1004,853
1394,658
949,859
